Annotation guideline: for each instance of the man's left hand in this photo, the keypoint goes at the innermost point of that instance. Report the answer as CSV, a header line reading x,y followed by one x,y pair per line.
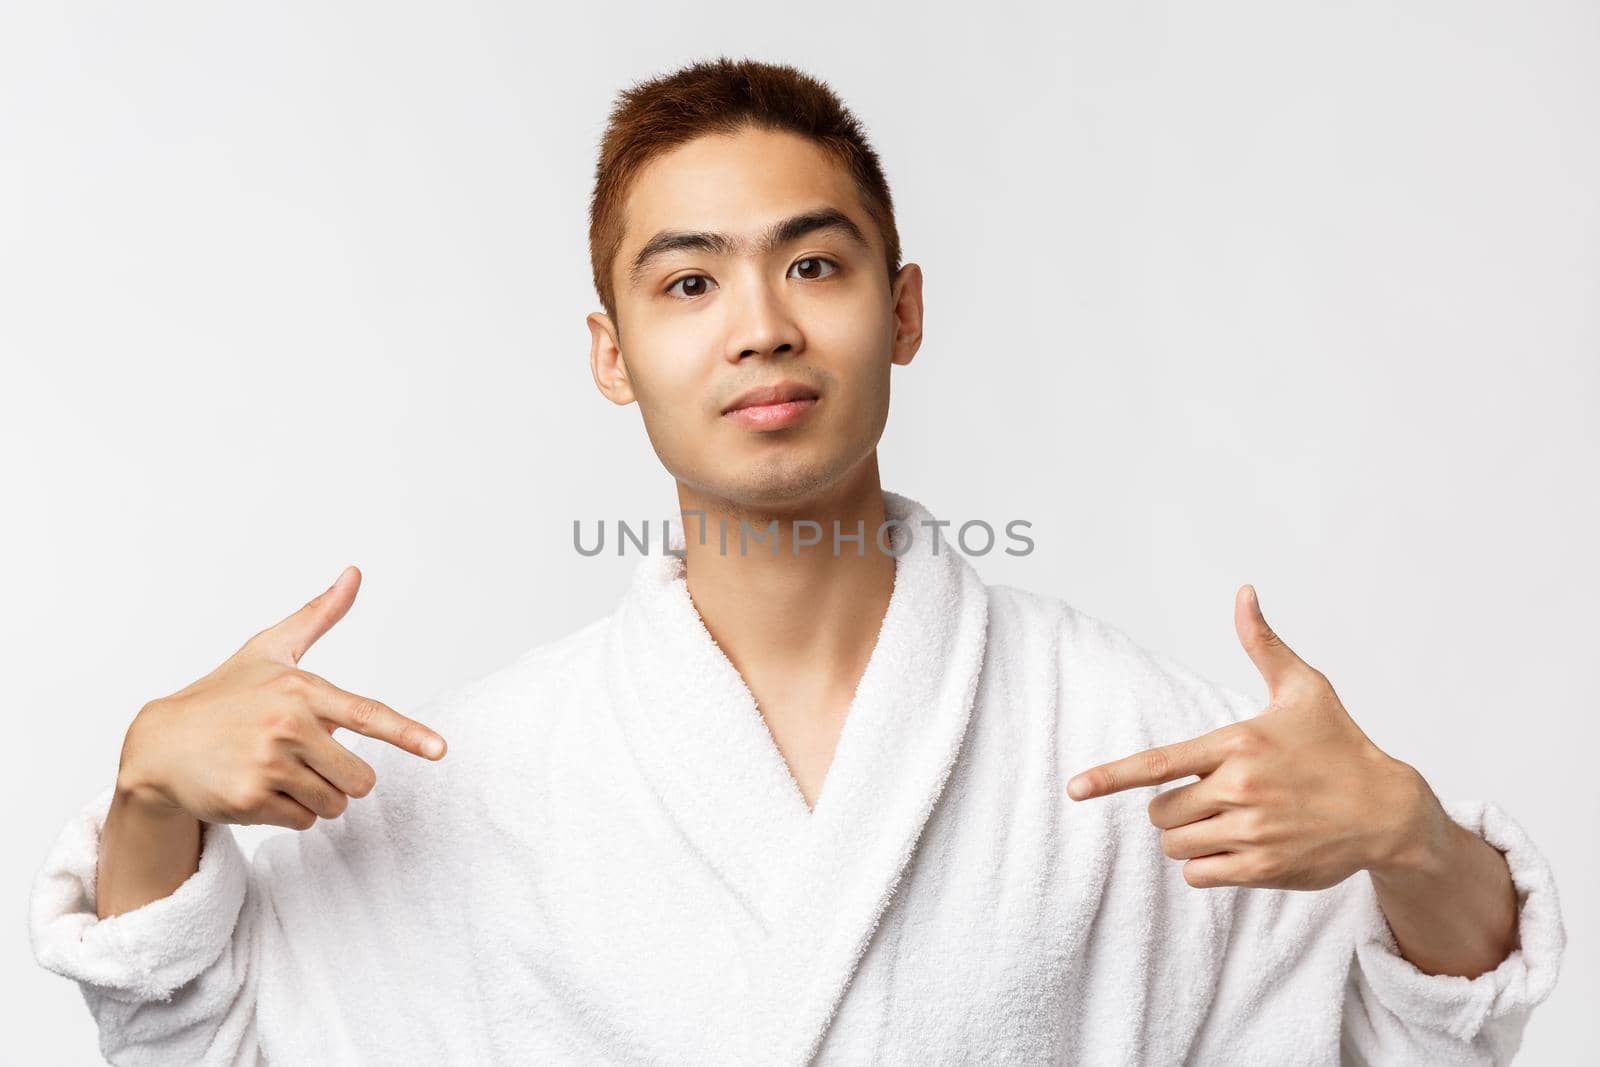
x,y
1297,797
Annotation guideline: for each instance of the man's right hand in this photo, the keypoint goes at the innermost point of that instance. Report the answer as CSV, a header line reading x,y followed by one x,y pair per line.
x,y
252,742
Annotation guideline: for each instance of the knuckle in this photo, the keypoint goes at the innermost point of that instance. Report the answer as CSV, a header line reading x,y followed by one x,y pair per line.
x,y
364,713
1242,789
1159,762
320,799
282,724
254,647
243,804
269,758
304,820
1169,846
1252,827
412,735
1245,741
1416,785
1312,687
1265,869
290,683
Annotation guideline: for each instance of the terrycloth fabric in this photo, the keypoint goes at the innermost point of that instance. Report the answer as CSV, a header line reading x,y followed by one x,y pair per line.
x,y
614,865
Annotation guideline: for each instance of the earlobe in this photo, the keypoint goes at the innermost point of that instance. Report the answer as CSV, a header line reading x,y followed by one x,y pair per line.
x,y
906,347
605,360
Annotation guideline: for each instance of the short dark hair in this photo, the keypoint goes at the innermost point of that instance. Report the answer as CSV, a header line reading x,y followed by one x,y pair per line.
x,y
721,96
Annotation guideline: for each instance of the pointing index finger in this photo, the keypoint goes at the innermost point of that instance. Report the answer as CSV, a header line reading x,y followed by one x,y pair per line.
x,y
1153,766
374,719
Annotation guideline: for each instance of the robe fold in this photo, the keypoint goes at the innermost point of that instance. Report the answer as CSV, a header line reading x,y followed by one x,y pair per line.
x,y
613,864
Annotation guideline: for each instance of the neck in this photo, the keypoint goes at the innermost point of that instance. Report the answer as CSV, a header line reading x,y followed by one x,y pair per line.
x,y
803,616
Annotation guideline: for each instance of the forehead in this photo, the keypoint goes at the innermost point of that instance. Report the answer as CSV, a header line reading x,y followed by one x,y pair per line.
x,y
736,184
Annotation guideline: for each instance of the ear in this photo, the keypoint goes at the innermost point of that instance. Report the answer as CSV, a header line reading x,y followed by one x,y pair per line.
x,y
605,360
907,295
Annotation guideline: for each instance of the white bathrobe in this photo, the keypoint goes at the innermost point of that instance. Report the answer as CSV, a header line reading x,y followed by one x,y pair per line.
x,y
614,865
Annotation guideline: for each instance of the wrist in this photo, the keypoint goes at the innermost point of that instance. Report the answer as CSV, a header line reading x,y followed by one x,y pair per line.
x,y
136,787
144,799
1418,836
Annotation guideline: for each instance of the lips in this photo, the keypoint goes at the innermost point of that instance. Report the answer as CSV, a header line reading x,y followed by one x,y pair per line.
x,y
771,394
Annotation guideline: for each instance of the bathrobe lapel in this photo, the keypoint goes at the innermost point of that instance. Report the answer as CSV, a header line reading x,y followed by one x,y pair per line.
x,y
815,881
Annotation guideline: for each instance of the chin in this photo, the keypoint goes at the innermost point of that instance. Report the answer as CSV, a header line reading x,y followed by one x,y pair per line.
x,y
772,483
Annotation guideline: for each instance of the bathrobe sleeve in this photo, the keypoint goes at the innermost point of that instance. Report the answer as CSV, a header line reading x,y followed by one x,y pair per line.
x,y
1287,943
170,982
1393,1011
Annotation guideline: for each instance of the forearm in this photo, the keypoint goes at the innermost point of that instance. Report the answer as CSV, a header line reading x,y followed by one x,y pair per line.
x,y
1450,902
147,850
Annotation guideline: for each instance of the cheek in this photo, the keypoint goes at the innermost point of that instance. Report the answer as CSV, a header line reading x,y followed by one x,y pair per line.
x,y
859,346
668,368
856,318
673,389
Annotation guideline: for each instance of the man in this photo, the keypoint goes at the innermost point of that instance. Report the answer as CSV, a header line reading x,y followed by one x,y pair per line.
x,y
823,799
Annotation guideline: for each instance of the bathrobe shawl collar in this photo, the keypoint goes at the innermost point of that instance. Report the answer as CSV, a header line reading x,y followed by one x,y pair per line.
x,y
815,881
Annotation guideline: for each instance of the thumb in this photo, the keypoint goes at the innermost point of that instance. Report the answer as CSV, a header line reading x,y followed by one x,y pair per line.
x,y
288,640
1275,660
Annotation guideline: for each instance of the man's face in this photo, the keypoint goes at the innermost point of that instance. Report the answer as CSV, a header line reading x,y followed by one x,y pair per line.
x,y
703,319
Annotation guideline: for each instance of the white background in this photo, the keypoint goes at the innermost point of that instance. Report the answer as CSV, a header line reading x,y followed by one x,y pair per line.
x,y
1298,295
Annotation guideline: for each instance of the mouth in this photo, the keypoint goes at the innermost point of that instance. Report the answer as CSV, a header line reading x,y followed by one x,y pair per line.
x,y
772,407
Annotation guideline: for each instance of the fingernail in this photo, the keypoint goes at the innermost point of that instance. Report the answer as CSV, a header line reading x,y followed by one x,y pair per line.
x,y
1077,788
434,747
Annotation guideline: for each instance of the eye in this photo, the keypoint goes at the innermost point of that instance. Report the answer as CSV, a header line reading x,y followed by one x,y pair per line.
x,y
815,263
697,290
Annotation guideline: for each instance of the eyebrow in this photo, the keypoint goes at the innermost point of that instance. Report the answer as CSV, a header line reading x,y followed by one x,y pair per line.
x,y
721,244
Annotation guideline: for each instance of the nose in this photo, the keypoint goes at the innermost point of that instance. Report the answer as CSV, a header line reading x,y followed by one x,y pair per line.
x,y
761,324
